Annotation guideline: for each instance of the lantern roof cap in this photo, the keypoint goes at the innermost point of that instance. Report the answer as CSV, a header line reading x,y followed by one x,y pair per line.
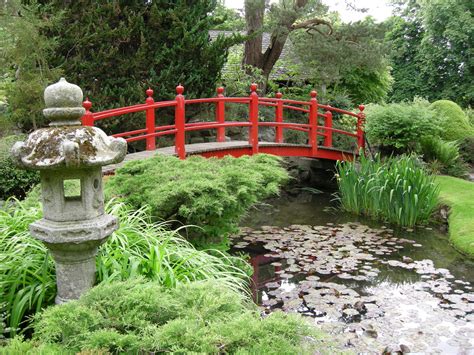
x,y
66,143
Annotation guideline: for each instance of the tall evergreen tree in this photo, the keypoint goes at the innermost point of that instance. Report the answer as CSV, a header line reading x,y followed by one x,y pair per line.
x,y
115,49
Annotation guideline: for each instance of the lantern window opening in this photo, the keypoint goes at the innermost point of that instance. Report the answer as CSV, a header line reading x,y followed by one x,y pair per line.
x,y
72,189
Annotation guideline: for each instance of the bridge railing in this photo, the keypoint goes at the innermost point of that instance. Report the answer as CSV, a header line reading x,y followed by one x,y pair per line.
x,y
312,108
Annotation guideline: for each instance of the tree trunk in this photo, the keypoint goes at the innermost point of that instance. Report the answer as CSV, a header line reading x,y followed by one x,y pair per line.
x,y
254,12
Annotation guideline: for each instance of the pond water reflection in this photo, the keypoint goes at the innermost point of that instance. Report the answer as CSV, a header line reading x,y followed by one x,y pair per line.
x,y
373,287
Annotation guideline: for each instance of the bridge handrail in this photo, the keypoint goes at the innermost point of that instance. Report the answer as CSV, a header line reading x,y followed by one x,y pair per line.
x,y
180,126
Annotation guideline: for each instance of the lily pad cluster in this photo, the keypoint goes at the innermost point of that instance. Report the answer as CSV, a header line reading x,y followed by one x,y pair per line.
x,y
335,274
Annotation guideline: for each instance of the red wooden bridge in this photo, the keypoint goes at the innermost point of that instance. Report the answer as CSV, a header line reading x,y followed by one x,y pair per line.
x,y
319,124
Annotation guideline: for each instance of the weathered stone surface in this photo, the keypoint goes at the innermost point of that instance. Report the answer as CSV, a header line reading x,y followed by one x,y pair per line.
x,y
74,222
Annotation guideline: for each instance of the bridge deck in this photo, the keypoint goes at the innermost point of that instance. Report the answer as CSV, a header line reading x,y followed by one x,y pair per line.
x,y
238,148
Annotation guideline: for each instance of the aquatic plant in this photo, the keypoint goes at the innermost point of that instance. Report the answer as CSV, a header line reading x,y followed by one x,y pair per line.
x,y
397,190
138,248
137,317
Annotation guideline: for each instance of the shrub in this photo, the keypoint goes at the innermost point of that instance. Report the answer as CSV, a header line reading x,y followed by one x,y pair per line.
x,y
444,156
144,317
452,120
13,180
400,127
466,149
397,190
210,193
138,247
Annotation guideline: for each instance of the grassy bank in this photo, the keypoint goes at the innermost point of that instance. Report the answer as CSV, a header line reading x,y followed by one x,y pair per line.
x,y
459,196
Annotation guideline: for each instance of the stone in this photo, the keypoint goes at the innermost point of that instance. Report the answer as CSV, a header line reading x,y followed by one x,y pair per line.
x,y
70,159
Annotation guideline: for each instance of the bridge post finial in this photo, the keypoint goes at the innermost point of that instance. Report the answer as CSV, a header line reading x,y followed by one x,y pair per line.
x,y
87,119
149,94
180,89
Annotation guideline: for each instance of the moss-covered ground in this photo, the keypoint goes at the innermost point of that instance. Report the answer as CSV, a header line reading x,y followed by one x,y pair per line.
x,y
458,194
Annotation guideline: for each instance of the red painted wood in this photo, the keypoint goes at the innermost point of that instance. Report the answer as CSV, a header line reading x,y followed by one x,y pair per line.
x,y
88,118
220,115
279,118
328,132
313,123
150,121
179,120
360,128
180,127
253,115
282,151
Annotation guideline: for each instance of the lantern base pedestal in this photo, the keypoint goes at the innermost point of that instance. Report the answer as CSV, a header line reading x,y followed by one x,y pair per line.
x,y
74,247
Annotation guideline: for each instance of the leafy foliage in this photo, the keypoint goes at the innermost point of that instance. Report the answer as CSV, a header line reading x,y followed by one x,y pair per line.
x,y
350,60
138,248
400,127
25,60
466,149
14,182
432,45
135,45
115,50
210,193
397,190
143,317
452,120
227,19
443,157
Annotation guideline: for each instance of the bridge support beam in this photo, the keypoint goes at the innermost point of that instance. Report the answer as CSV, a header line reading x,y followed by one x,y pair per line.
x,y
180,123
313,122
253,114
150,121
220,115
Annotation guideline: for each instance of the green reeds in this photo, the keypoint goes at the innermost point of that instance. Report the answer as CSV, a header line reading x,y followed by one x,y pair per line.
x,y
138,248
396,190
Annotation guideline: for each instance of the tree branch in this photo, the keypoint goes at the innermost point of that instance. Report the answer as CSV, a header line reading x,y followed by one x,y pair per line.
x,y
311,25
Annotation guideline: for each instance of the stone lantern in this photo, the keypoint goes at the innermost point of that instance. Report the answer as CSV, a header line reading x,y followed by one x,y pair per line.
x,y
70,159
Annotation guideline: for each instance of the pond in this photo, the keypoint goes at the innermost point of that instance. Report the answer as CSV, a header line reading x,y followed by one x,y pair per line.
x,y
373,287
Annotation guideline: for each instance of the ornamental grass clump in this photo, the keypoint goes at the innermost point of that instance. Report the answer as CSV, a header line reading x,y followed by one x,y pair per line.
x,y
138,248
397,190
142,317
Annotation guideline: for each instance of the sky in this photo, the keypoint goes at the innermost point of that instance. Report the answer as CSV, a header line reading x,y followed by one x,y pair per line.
x,y
379,9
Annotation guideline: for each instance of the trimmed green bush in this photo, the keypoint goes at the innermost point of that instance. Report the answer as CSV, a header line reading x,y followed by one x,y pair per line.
x,y
397,190
210,193
453,121
137,248
14,182
143,317
400,127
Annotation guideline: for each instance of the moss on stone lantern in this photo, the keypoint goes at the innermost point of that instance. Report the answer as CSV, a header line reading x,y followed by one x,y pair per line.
x,y
67,154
